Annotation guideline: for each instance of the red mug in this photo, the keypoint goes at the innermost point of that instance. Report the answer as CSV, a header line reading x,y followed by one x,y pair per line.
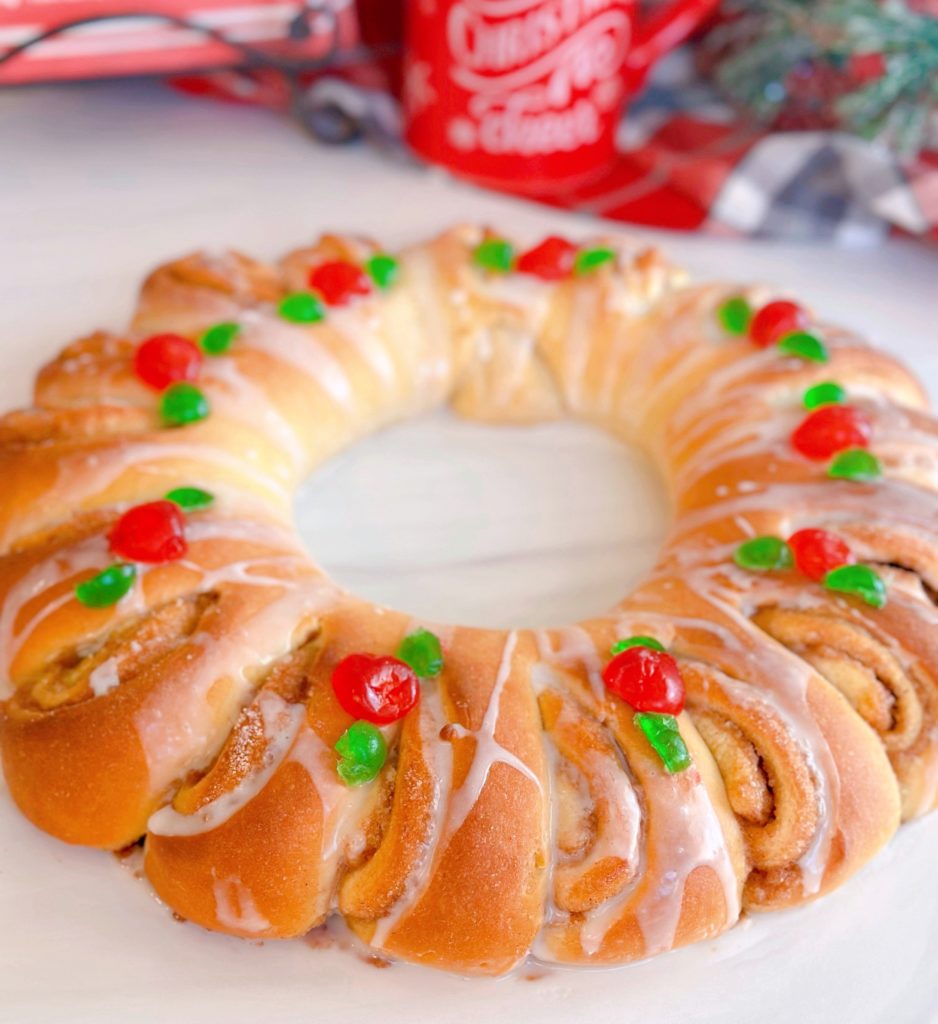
x,y
527,94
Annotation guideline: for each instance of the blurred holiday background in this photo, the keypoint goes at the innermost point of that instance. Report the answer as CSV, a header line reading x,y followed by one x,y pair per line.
x,y
802,119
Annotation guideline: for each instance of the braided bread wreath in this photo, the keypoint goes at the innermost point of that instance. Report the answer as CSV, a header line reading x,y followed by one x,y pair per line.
x,y
180,670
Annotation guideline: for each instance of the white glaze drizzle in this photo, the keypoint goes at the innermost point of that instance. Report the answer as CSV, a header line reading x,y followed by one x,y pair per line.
x,y
687,835
488,751
189,738
452,807
280,722
438,756
93,553
359,327
235,907
104,677
299,347
235,396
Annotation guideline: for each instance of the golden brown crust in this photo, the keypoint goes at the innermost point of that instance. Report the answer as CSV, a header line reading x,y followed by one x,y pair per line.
x,y
521,808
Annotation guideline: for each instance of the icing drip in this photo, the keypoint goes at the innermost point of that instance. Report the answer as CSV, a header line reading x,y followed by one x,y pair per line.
x,y
576,649
451,808
104,678
342,808
488,751
782,682
686,835
237,398
85,477
683,832
300,348
235,907
438,755
93,553
360,328
280,724
188,739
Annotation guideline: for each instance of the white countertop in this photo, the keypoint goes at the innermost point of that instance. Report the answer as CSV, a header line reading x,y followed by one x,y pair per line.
x,y
98,183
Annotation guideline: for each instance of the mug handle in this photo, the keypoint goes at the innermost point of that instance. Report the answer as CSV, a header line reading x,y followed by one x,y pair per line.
x,y
664,30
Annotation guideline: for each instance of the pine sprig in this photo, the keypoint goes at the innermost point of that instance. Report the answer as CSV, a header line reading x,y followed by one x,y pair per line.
x,y
857,65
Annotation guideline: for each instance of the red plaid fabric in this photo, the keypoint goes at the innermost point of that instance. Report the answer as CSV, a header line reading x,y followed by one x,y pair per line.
x,y
689,162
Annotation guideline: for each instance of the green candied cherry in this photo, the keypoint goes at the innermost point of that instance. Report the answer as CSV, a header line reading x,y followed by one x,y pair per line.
x,y
219,338
735,315
183,403
859,581
496,255
588,260
805,346
636,641
362,752
421,650
382,269
107,587
828,392
763,554
302,308
663,734
855,464
190,499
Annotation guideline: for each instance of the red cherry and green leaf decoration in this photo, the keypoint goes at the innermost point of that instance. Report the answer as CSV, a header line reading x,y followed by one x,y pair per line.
x,y
107,587
858,581
190,499
775,320
338,282
153,532
832,429
301,308
663,734
362,753
422,651
218,339
764,554
780,323
735,315
647,679
383,270
497,255
855,464
182,404
818,552
551,260
377,688
828,392
166,359
636,641
170,363
821,556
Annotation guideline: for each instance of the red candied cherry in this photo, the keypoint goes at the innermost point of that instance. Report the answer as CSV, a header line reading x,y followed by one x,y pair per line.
x,y
817,552
154,532
647,679
165,359
378,689
776,319
552,260
831,429
338,282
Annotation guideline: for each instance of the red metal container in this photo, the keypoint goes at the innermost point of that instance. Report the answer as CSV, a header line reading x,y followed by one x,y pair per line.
x,y
527,94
